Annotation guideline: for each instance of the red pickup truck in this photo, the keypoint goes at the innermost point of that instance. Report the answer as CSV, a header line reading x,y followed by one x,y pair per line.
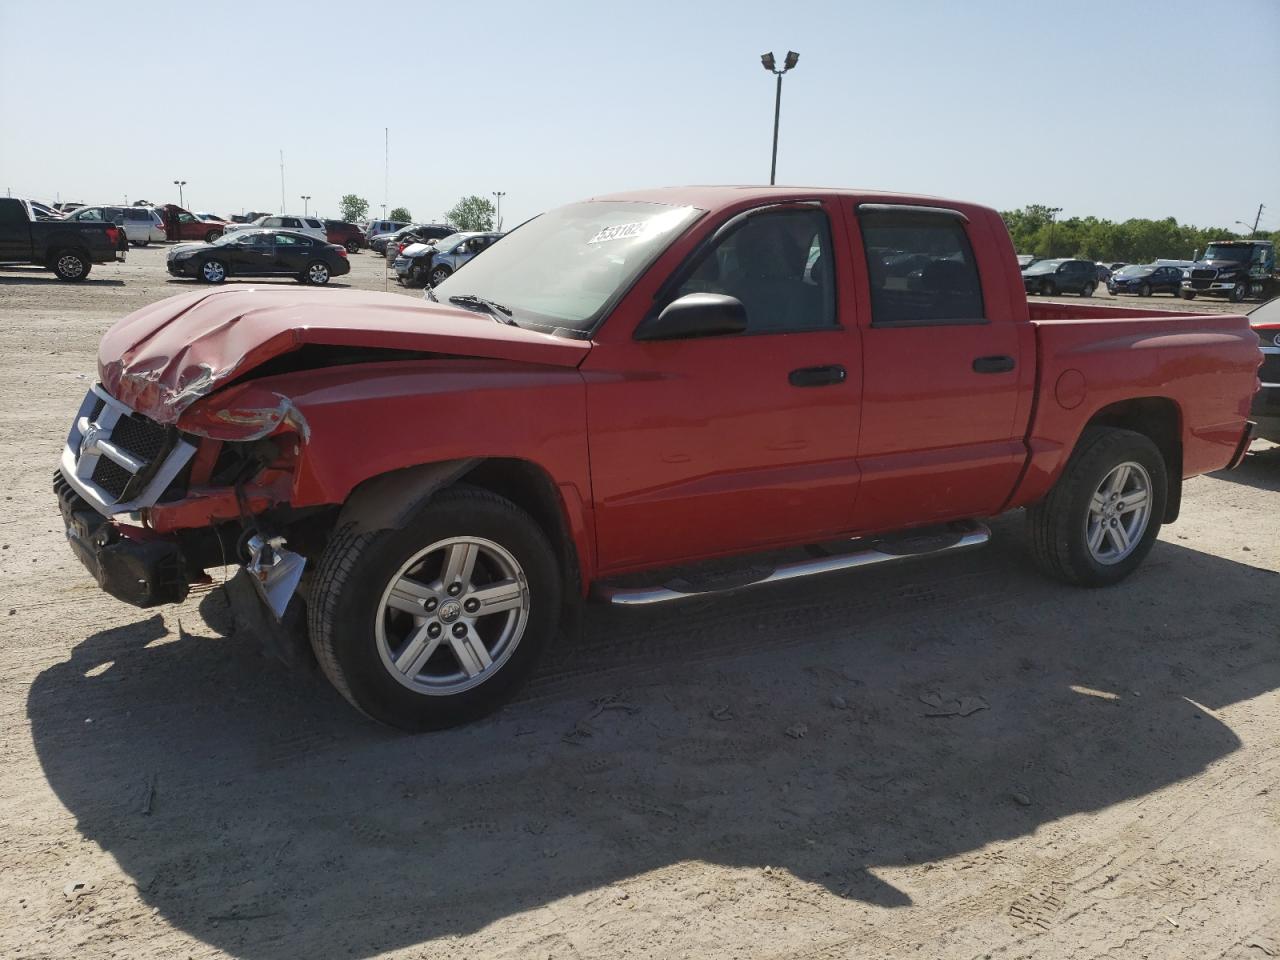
x,y
638,398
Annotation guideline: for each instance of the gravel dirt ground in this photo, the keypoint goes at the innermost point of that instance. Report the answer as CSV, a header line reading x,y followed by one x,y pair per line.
x,y
955,759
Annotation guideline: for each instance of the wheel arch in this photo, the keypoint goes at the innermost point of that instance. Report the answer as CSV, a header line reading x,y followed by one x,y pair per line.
x,y
1160,420
389,499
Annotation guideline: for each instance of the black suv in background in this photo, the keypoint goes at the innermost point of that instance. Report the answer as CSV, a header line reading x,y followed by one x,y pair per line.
x,y
1051,277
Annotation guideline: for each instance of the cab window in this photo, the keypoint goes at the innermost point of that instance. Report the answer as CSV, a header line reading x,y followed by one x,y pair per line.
x,y
778,264
920,267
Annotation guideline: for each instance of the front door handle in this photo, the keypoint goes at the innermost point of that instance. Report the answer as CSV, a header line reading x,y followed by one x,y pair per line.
x,y
817,376
998,364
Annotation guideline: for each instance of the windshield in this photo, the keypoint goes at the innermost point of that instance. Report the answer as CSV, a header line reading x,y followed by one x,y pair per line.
x,y
1221,251
565,268
1268,313
1134,270
1045,266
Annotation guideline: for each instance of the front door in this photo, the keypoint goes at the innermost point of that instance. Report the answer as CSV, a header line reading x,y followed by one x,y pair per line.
x,y
728,444
254,255
942,373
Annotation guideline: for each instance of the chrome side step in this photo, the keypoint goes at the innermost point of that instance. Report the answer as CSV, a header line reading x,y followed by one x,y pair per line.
x,y
865,553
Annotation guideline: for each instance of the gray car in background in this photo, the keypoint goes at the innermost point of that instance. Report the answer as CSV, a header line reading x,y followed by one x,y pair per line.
x,y
433,263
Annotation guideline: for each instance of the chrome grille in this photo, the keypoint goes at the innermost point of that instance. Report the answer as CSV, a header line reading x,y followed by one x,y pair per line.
x,y
119,460
1203,274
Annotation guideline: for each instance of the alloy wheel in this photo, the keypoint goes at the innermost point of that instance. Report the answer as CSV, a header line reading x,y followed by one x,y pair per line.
x,y
1119,512
452,616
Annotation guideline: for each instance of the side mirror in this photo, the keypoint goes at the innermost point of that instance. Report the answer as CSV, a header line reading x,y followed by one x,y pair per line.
x,y
696,315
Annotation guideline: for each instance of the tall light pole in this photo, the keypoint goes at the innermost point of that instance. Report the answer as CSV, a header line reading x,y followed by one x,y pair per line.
x,y
497,215
305,198
1053,220
772,66
180,184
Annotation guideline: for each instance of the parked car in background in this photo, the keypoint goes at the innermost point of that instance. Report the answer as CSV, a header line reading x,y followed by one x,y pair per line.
x,y
1144,280
377,228
1102,272
182,224
1236,269
44,211
433,263
249,217
307,226
65,208
458,475
141,225
211,217
345,234
415,233
1051,277
1265,321
1025,260
68,248
260,253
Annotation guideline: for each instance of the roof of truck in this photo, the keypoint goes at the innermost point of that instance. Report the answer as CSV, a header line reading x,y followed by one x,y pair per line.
x,y
717,197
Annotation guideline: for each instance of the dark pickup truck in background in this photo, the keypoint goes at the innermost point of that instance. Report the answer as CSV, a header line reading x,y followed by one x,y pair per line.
x,y
68,248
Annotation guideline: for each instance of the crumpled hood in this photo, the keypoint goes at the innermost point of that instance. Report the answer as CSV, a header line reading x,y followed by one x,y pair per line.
x,y
162,358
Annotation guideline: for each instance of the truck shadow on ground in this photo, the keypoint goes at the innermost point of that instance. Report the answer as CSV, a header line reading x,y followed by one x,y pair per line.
x,y
261,815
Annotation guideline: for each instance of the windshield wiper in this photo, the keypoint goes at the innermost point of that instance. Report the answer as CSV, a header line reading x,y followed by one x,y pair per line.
x,y
496,310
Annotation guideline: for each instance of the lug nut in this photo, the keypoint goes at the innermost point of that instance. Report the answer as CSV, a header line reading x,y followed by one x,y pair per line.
x,y
459,630
472,605
431,604
433,631
455,589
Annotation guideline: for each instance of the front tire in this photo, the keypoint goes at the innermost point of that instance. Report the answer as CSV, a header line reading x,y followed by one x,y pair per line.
x,y
352,246
71,266
1239,292
439,275
440,621
213,271
1049,288
1188,294
1087,290
1144,290
1103,515
212,235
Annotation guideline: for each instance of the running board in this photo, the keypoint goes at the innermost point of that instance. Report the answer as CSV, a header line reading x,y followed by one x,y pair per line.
x,y
864,553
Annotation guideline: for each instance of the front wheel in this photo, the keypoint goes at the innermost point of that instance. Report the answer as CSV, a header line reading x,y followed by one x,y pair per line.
x,y
212,235
1048,288
1239,292
1144,290
352,246
1188,294
440,621
1087,290
213,271
317,273
1102,516
439,275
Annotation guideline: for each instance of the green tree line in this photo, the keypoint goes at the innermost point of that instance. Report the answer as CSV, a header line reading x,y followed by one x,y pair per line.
x,y
1034,231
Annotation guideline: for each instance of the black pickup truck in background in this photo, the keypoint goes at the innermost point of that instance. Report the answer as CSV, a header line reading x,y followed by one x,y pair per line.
x,y
68,248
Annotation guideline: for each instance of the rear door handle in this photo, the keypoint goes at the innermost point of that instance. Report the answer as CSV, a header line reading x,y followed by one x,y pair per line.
x,y
817,376
997,364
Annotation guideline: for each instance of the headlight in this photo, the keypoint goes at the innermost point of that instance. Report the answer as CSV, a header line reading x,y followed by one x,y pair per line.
x,y
1186,274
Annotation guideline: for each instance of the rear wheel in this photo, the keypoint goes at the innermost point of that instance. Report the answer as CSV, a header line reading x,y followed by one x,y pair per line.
x,y
213,271
71,266
352,246
1103,515
212,235
440,621
317,273
1188,294
1087,290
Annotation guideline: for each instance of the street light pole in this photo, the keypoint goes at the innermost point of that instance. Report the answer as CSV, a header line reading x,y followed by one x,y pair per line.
x,y
771,65
1053,222
180,184
305,198
497,215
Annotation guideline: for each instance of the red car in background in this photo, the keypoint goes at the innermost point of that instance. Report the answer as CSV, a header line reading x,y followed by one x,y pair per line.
x,y
345,235
182,224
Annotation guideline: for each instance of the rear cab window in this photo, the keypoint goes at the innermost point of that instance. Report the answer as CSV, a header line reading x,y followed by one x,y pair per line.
x,y
920,266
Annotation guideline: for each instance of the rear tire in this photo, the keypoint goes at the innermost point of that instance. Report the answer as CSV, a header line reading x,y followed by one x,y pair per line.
x,y
1188,294
317,273
212,235
1087,290
360,630
71,266
1059,526
352,246
1049,288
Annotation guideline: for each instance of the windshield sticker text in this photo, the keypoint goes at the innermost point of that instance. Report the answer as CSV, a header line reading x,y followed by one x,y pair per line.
x,y
620,231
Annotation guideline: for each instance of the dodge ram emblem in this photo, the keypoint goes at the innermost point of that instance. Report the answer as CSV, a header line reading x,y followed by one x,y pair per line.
x,y
89,442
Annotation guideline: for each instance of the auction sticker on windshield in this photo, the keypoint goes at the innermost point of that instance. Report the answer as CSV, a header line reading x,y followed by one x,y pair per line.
x,y
619,231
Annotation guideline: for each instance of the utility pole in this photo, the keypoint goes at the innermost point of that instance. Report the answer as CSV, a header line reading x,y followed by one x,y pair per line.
x,y
1256,220
282,205
305,198
497,214
386,168
1053,222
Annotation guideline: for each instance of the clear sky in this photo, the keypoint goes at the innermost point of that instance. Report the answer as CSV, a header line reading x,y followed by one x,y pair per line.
x,y
1116,109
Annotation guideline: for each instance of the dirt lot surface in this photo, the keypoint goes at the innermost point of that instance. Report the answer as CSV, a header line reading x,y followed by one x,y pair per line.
x,y
762,776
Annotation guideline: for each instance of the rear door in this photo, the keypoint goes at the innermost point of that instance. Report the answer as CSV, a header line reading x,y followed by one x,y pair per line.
x,y
941,363
291,253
